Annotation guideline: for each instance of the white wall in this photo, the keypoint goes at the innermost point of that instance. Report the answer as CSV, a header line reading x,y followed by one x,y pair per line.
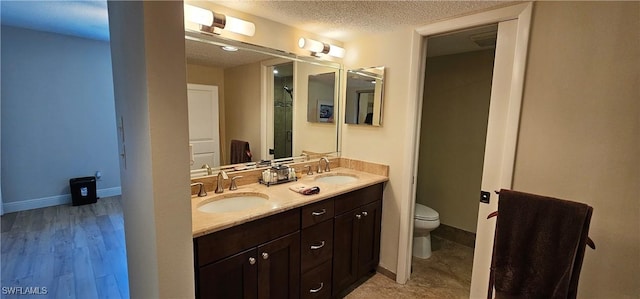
x,y
151,98
58,117
384,144
580,130
242,108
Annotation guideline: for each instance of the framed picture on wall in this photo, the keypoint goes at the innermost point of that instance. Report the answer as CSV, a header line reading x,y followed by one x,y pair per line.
x,y
325,113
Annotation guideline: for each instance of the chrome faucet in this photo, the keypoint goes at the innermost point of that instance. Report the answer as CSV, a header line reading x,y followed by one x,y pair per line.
x,y
326,165
201,192
221,177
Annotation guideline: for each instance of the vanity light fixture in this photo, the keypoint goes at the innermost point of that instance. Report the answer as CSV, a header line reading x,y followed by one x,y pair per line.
x,y
212,22
317,47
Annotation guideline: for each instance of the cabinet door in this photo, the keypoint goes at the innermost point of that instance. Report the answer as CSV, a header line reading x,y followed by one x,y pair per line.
x,y
369,237
345,251
233,277
279,268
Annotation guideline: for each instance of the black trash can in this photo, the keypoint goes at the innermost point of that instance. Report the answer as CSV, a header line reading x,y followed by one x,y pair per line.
x,y
83,190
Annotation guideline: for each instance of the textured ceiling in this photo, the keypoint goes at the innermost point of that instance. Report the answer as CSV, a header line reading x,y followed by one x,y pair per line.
x,y
339,20
344,20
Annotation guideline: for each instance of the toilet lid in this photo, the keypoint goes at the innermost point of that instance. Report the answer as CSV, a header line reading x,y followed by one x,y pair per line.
x,y
425,213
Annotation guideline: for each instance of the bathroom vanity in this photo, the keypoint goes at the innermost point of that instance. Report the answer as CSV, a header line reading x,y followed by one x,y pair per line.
x,y
297,247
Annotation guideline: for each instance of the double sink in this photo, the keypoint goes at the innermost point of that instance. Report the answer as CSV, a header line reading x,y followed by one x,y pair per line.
x,y
235,202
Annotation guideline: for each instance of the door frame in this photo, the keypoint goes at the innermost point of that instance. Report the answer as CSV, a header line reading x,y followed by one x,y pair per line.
x,y
266,103
521,13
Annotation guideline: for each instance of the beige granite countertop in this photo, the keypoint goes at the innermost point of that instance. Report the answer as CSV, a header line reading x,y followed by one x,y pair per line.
x,y
280,199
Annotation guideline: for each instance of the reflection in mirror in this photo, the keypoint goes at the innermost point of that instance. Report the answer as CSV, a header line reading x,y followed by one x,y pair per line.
x,y
322,88
264,111
364,94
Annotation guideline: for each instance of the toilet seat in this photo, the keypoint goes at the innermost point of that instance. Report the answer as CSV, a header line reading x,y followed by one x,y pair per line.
x,y
423,212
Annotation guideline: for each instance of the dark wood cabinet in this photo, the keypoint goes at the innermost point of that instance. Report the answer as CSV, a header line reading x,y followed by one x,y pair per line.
x,y
279,268
316,251
258,259
232,277
356,242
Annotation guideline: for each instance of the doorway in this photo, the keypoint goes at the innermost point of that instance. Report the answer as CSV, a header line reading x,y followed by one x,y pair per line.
x,y
502,129
453,130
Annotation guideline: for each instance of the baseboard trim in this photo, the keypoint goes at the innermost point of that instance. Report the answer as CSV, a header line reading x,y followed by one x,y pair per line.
x,y
36,203
455,234
386,272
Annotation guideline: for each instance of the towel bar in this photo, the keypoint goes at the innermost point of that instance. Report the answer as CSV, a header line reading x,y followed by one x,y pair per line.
x,y
590,242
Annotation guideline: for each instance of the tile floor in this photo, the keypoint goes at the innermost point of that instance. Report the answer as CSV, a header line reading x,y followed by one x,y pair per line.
x,y
447,274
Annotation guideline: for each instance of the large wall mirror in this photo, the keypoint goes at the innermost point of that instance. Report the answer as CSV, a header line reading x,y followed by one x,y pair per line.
x,y
364,95
259,101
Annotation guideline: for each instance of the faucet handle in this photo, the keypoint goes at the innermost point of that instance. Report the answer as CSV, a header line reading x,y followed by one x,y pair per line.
x,y
201,192
309,171
234,186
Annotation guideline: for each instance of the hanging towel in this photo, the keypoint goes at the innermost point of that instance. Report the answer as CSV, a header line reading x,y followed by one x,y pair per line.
x,y
539,246
240,152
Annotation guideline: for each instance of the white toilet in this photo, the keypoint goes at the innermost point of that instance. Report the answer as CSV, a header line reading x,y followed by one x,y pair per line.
x,y
426,219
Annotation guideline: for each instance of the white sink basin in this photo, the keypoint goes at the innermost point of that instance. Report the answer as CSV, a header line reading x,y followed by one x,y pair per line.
x,y
235,202
337,179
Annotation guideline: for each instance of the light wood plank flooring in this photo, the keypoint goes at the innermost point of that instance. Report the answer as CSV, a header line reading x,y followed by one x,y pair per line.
x,y
73,252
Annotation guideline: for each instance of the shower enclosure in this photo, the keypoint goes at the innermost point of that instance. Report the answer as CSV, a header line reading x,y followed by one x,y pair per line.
x,y
283,110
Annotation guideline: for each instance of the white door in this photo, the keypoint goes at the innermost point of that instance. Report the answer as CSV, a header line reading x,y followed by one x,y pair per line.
x,y
204,124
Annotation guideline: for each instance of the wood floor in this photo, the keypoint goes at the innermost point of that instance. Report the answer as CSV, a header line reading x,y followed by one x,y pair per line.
x,y
73,252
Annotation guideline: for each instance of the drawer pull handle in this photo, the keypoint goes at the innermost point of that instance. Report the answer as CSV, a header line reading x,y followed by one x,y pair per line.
x,y
316,247
322,212
265,255
358,216
252,261
365,214
318,289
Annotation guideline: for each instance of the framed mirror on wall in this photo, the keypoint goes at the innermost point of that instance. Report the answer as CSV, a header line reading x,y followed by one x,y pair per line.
x,y
364,96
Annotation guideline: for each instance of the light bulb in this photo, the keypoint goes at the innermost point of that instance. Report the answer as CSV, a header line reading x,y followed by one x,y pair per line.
x,y
336,51
240,26
311,45
198,15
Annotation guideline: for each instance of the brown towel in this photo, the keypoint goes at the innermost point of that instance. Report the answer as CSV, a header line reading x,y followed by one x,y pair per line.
x,y
240,152
539,246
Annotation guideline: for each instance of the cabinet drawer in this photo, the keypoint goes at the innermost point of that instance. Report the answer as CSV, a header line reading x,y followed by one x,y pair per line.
x,y
317,282
317,212
218,245
317,245
347,202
